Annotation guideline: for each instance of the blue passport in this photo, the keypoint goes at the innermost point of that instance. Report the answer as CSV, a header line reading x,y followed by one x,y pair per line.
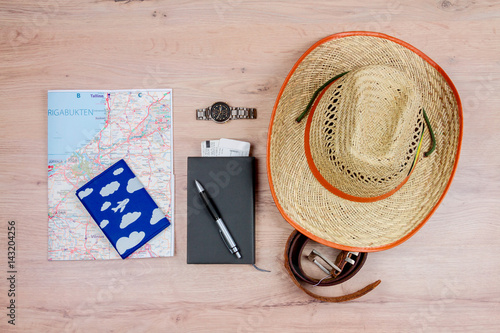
x,y
122,208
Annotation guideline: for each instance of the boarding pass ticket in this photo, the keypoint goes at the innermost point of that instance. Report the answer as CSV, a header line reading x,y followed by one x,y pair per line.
x,y
225,147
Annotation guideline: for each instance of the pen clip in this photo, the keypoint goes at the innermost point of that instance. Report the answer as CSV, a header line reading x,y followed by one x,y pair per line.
x,y
225,242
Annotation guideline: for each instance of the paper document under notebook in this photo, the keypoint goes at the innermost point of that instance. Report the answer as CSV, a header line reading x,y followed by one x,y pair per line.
x,y
225,147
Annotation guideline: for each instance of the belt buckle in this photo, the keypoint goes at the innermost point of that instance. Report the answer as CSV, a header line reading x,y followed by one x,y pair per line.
x,y
337,267
334,269
349,257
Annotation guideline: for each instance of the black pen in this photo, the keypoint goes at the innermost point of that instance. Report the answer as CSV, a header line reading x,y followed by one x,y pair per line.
x,y
226,236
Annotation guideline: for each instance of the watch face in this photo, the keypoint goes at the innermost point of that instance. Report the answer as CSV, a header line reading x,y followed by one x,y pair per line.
x,y
220,112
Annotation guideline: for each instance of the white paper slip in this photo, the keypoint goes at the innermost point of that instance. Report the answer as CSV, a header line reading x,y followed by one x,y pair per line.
x,y
210,148
228,147
225,147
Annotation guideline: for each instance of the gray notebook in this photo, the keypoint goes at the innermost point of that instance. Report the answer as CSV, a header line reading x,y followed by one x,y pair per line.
x,y
229,182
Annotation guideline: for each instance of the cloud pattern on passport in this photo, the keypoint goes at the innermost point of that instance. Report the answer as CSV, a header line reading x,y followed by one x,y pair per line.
x,y
117,171
129,218
157,216
133,185
85,193
105,206
125,243
109,189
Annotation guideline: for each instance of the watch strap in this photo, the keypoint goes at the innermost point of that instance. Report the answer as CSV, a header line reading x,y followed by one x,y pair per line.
x,y
243,113
203,114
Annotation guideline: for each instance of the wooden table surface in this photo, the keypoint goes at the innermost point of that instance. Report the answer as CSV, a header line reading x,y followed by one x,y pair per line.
x,y
444,279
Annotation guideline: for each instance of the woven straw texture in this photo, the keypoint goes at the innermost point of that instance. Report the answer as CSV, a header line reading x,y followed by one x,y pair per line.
x,y
332,220
365,131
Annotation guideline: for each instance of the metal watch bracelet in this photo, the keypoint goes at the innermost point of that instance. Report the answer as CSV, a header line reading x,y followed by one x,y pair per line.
x,y
236,113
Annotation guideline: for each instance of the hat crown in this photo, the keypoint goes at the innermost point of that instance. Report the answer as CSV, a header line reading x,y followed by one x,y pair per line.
x,y
378,112
365,131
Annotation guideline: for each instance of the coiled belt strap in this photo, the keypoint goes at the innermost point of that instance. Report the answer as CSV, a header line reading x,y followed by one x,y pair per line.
x,y
293,251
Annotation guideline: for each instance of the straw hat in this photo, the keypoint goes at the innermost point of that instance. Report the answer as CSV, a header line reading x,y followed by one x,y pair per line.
x,y
363,141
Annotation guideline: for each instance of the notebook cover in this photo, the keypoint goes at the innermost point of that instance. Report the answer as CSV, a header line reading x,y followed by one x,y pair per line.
x,y
229,182
122,208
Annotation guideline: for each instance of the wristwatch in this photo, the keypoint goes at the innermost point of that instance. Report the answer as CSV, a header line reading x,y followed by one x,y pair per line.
x,y
221,112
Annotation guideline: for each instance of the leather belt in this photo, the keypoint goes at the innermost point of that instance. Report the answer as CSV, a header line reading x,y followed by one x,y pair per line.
x,y
345,267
